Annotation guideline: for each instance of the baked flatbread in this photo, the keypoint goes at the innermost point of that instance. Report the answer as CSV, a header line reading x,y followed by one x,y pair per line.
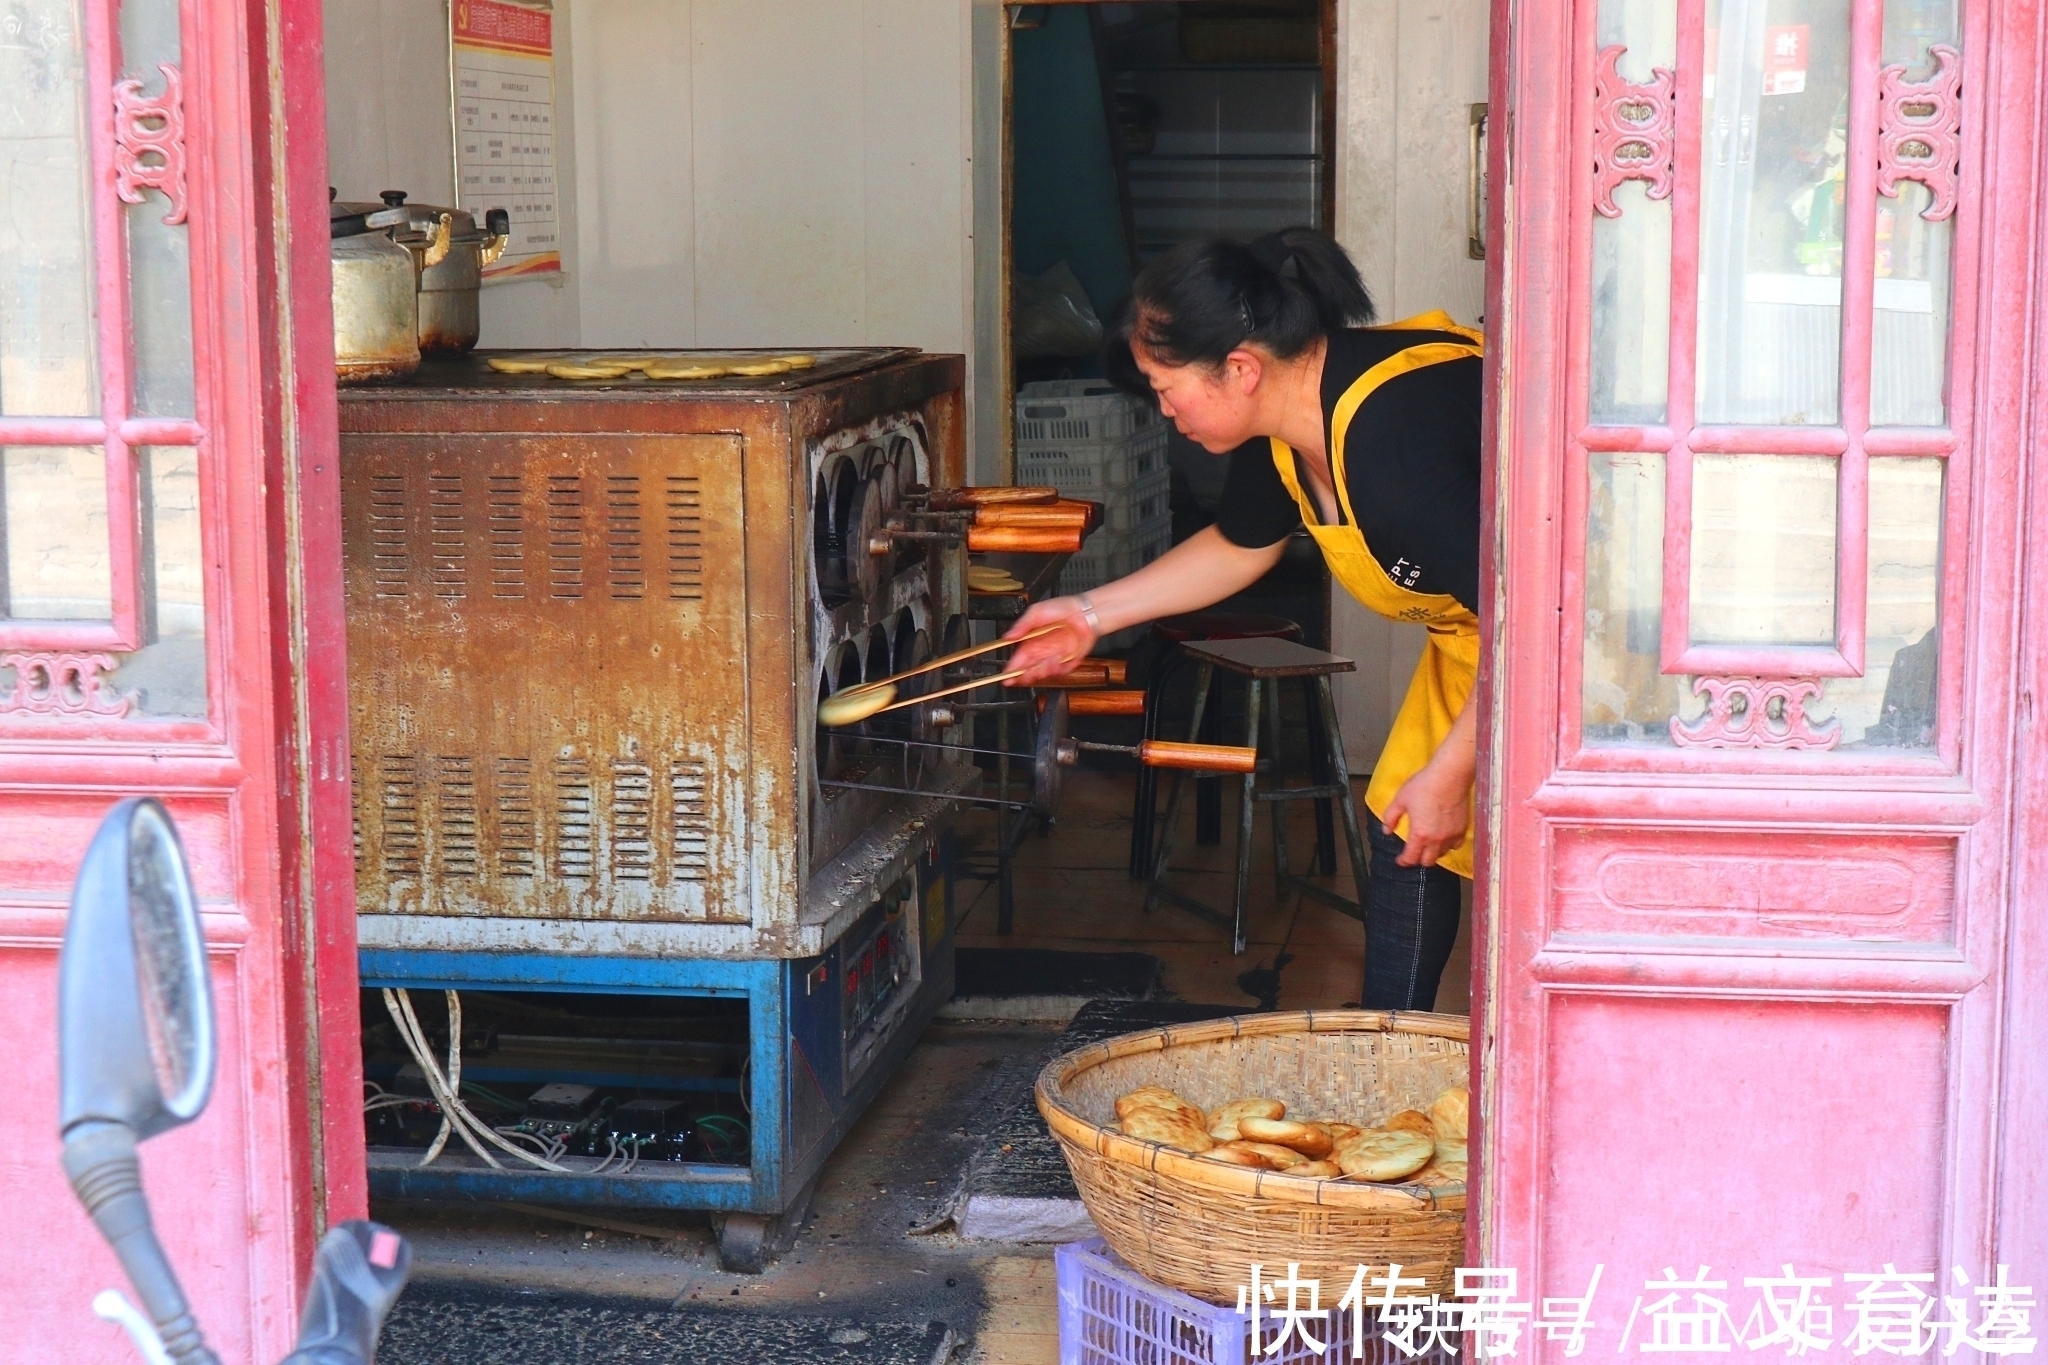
x,y
1157,1097
683,369
1381,1154
1438,1173
798,362
1312,1143
1241,1154
1317,1170
1223,1118
1451,1113
1281,1157
757,369
563,370
1343,1132
1411,1121
1168,1126
522,364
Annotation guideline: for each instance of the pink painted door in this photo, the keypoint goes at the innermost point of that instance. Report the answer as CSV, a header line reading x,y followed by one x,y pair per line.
x,y
1763,321
162,477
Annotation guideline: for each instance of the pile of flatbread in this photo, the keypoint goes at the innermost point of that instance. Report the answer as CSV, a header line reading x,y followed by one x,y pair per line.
x,y
985,579
585,366
1411,1147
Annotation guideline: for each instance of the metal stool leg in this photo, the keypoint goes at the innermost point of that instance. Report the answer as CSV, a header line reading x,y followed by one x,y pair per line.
x,y
1006,888
1276,780
1326,704
1145,802
1164,840
1246,810
1318,774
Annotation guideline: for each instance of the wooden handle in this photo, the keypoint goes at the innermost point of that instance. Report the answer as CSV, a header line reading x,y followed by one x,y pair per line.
x,y
1083,674
1026,540
1203,758
1117,669
1062,513
948,499
1107,703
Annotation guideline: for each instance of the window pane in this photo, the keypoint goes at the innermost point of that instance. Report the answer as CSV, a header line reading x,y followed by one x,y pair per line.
x,y
1626,700
1909,329
1763,550
167,676
1770,286
159,253
1893,703
53,518
48,361
1632,308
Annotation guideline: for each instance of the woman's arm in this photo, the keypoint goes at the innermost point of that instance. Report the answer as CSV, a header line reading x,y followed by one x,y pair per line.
x,y
1438,800
1199,572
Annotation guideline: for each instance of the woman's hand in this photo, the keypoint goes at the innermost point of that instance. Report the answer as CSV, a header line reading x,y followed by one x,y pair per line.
x,y
1438,799
1056,651
1438,804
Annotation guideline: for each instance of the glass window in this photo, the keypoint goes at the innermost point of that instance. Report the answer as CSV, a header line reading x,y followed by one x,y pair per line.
x,y
1763,550
1770,281
1626,699
159,253
53,519
49,361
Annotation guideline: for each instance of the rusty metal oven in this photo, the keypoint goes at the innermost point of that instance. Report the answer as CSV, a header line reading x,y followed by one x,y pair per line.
x,y
589,625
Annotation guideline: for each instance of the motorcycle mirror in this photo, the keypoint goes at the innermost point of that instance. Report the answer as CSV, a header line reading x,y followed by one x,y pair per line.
x,y
135,1044
135,1031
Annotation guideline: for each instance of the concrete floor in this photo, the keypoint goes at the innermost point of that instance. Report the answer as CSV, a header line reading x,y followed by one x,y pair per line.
x,y
854,1259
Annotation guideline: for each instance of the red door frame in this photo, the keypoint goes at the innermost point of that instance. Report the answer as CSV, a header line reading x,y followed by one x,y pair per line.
x,y
1982,979
260,786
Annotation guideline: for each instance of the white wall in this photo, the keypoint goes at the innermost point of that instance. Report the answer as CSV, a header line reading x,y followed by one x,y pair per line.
x,y
1407,73
733,172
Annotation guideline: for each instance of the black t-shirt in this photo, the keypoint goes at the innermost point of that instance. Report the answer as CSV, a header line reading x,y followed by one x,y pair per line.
x,y
1411,459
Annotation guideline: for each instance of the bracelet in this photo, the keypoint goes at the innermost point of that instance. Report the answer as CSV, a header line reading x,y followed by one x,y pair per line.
x,y
1088,612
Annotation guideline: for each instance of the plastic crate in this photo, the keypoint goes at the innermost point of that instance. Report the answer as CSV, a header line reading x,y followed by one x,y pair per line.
x,y
1111,1315
1081,410
1140,506
1092,469
1108,555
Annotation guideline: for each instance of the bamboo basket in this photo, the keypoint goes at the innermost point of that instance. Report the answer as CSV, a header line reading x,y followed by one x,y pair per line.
x,y
1198,1225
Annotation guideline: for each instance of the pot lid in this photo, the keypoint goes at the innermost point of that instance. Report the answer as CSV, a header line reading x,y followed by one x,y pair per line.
x,y
425,217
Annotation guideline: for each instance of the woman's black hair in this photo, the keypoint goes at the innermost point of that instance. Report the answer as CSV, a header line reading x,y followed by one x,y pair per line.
x,y
1202,300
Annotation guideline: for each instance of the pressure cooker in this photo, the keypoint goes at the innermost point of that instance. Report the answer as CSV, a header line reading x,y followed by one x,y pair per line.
x,y
449,285
406,281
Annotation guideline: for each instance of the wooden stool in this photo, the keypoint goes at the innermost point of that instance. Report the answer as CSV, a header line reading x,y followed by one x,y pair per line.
x,y
1260,661
1178,630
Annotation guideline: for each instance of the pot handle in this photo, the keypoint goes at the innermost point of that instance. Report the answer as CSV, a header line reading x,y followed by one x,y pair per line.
x,y
441,241
498,224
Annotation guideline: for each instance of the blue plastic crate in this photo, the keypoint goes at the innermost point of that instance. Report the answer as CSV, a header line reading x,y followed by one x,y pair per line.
x,y
1112,1315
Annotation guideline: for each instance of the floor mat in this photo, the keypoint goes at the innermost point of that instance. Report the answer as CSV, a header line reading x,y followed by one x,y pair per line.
x,y
1018,1188
1007,973
434,1325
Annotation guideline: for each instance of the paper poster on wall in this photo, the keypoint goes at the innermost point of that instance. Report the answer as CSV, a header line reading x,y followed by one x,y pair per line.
x,y
504,72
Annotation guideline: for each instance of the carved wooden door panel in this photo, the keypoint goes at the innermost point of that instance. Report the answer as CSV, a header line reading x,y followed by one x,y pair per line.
x,y
150,607
1752,680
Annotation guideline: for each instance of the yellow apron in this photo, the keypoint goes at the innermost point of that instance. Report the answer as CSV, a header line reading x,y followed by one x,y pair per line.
x,y
1450,665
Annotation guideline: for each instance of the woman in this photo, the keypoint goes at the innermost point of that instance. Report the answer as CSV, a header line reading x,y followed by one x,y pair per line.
x,y
1369,436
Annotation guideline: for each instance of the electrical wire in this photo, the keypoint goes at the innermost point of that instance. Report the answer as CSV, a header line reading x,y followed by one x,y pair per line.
x,y
454,1112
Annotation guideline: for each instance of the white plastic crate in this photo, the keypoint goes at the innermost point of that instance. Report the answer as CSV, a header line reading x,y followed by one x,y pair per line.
x,y
1112,1315
1139,506
1112,554
1091,469
1081,410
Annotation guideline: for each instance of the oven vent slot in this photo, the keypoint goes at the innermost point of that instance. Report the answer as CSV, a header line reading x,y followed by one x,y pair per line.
x,y
625,569
390,555
401,816
517,835
690,829
456,816
506,513
447,548
632,821
565,536
685,539
574,837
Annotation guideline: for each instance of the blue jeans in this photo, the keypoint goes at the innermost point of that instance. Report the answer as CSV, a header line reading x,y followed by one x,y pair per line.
x,y
1411,923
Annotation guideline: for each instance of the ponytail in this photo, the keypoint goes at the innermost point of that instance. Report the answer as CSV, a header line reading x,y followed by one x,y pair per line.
x,y
1202,300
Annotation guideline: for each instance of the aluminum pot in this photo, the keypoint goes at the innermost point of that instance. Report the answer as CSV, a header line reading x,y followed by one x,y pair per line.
x,y
450,284
376,294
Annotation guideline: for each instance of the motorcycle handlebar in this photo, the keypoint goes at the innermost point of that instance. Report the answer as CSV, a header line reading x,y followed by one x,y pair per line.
x,y
359,1270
